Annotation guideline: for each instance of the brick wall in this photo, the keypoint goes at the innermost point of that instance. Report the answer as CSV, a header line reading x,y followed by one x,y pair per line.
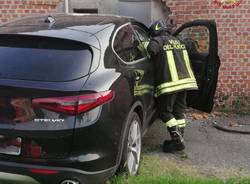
x,y
12,9
234,43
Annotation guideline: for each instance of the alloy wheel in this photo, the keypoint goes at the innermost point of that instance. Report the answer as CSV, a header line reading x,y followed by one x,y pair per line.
x,y
134,148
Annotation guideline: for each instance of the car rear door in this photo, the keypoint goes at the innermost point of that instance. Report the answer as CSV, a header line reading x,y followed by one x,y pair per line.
x,y
200,37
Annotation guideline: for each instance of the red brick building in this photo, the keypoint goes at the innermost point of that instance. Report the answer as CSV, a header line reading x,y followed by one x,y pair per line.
x,y
233,29
234,43
12,9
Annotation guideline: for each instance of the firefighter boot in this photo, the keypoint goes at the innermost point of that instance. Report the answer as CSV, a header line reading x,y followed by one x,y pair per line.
x,y
177,142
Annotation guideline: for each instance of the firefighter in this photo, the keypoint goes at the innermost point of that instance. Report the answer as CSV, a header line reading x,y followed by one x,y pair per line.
x,y
173,78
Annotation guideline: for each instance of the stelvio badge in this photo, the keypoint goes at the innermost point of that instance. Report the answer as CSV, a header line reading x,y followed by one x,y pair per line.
x,y
227,4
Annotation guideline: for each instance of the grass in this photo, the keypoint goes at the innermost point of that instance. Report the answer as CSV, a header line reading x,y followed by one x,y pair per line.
x,y
157,169
174,180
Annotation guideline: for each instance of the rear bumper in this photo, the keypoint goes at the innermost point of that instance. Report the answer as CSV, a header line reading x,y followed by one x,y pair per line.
x,y
21,173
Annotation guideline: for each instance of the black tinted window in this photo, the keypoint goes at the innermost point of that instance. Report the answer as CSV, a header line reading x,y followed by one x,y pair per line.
x,y
143,36
43,59
126,45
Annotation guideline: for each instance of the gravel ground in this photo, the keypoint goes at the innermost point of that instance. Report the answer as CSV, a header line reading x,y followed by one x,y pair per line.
x,y
207,147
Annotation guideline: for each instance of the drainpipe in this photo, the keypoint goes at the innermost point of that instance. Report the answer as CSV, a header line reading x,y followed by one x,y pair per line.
x,y
66,5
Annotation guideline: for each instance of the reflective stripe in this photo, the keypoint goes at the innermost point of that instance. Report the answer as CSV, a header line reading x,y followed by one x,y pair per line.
x,y
182,126
144,86
176,88
187,61
141,72
140,47
176,83
142,92
143,47
181,122
171,123
145,44
172,67
157,27
143,89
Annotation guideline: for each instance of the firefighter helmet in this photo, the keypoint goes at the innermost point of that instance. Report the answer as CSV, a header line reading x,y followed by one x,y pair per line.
x,y
158,27
161,26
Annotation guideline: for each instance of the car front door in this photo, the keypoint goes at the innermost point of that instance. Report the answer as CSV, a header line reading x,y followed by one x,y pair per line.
x,y
142,34
200,37
135,66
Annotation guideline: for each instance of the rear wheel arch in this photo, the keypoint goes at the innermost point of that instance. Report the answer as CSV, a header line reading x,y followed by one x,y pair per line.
x,y
137,107
139,111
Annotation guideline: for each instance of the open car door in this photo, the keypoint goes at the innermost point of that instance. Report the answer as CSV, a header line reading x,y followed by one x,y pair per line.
x,y
200,37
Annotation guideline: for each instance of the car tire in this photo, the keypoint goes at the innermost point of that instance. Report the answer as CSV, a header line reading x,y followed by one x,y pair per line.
x,y
132,146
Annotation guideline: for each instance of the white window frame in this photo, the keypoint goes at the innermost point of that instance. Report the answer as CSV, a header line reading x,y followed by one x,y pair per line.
x,y
113,40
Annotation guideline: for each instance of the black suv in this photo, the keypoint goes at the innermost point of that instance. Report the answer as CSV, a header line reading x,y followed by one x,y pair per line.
x,y
77,94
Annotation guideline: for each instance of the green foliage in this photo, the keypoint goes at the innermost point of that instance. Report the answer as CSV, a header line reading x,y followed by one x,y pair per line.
x,y
240,105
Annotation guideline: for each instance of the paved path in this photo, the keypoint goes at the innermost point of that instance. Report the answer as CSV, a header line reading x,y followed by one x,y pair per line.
x,y
206,146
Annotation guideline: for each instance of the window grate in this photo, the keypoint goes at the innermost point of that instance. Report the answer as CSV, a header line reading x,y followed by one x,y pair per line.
x,y
88,10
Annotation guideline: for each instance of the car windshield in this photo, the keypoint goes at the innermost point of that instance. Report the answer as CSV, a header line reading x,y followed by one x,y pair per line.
x,y
43,59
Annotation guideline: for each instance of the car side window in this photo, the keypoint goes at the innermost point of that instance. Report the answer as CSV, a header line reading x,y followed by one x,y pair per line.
x,y
144,39
126,45
142,34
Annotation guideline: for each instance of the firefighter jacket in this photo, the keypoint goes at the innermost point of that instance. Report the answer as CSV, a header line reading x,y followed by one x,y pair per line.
x,y
173,72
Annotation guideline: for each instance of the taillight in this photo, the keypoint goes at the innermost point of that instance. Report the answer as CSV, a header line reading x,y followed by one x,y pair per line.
x,y
43,171
73,105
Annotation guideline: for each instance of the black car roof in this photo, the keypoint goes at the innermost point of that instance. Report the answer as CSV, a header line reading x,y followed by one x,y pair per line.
x,y
68,20
66,26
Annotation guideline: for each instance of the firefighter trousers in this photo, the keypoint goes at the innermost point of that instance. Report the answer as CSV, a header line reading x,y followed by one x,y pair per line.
x,y
171,109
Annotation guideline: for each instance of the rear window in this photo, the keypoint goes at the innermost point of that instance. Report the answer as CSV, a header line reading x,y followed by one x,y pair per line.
x,y
43,59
